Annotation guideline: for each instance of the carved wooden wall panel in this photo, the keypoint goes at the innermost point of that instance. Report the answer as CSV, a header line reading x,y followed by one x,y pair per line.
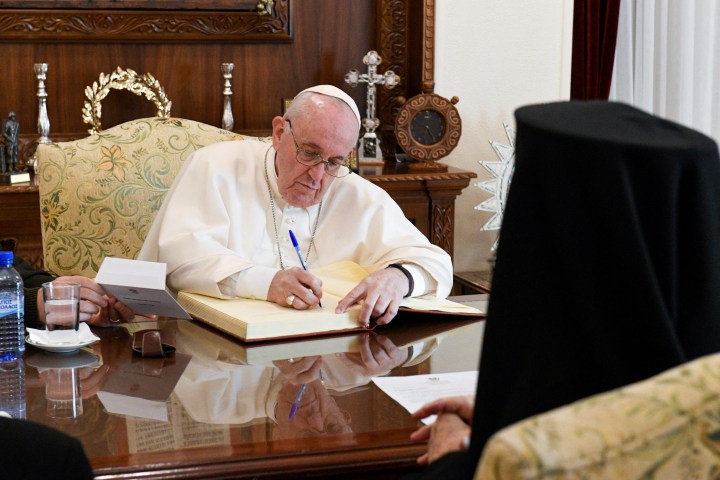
x,y
139,26
99,21
442,233
406,42
393,48
276,54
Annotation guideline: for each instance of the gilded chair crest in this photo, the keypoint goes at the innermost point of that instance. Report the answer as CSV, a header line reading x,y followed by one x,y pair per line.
x,y
99,194
122,79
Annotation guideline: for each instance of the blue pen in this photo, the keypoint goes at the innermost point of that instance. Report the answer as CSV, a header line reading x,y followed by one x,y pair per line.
x,y
297,249
296,403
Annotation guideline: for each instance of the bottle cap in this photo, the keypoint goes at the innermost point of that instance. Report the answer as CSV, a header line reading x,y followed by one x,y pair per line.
x,y
6,257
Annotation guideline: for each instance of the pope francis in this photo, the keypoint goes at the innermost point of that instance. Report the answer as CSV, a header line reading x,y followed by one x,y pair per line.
x,y
224,227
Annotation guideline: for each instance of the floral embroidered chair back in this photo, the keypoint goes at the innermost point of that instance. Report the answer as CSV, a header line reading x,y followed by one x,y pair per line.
x,y
99,195
663,428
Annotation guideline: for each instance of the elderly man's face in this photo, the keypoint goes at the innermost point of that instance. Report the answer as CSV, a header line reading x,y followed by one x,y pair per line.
x,y
330,130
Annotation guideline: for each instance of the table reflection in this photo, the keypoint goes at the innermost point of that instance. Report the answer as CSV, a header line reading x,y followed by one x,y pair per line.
x,y
219,386
216,394
68,378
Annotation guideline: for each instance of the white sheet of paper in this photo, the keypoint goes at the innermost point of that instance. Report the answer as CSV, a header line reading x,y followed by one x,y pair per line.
x,y
414,391
133,406
140,285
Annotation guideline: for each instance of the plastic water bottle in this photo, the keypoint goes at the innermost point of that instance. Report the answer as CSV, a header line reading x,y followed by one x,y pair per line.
x,y
12,339
12,387
12,310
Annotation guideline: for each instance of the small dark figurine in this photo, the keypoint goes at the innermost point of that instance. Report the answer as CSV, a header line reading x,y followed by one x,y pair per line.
x,y
11,136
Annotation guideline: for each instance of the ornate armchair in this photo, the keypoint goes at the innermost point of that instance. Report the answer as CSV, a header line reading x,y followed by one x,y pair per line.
x,y
99,195
665,427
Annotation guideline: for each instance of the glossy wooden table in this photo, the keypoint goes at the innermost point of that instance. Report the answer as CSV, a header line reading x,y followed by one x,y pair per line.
x,y
221,427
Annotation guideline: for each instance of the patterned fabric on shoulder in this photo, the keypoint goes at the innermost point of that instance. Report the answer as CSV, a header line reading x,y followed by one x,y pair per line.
x,y
665,427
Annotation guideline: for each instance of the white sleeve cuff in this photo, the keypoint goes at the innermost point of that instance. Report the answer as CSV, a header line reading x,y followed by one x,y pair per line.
x,y
253,282
424,283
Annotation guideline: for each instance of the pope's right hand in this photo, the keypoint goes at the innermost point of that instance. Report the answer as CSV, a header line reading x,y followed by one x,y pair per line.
x,y
295,288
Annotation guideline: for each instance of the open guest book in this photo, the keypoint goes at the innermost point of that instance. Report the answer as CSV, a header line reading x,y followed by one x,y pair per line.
x,y
227,349
257,320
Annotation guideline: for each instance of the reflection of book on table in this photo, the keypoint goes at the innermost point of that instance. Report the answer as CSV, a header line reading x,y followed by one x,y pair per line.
x,y
255,320
227,350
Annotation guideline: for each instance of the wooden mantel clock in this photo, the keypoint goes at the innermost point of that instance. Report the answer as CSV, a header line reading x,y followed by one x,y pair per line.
x,y
428,128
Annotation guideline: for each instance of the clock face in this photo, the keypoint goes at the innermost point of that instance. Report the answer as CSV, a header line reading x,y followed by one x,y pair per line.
x,y
428,127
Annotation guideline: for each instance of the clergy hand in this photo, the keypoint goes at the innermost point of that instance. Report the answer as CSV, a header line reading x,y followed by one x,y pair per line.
x,y
377,354
381,292
96,307
462,405
451,429
448,434
298,285
115,312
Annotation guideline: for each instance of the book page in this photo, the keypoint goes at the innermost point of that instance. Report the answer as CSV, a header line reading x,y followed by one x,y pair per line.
x,y
253,320
432,303
341,277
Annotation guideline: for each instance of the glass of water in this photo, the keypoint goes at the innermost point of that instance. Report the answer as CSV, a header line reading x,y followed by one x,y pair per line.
x,y
62,305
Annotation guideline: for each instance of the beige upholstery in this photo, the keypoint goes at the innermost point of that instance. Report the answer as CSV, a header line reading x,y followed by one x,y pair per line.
x,y
666,427
98,195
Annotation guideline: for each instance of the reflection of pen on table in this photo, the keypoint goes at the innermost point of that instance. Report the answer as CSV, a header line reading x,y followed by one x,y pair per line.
x,y
296,403
297,249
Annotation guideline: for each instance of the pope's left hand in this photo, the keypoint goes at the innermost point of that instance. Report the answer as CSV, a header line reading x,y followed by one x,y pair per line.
x,y
381,292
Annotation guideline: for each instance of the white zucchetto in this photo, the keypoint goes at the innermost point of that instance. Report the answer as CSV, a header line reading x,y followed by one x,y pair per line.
x,y
333,91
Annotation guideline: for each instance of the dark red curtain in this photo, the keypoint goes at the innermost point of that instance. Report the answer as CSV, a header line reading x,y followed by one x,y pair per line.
x,y
595,24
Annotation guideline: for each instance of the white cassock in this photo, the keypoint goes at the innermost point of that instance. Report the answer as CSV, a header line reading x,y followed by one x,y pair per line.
x,y
216,225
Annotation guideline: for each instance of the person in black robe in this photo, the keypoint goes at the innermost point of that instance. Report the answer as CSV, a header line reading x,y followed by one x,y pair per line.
x,y
608,264
35,452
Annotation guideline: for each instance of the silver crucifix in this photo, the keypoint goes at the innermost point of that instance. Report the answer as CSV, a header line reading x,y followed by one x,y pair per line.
x,y
370,148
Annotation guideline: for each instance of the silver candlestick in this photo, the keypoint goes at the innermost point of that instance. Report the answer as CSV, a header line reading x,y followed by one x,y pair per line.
x,y
370,148
227,119
43,123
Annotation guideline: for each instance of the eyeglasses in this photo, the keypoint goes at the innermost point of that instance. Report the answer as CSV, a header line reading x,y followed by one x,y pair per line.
x,y
333,168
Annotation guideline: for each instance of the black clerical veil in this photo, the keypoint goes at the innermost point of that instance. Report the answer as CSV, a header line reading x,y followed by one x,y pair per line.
x,y
608,264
